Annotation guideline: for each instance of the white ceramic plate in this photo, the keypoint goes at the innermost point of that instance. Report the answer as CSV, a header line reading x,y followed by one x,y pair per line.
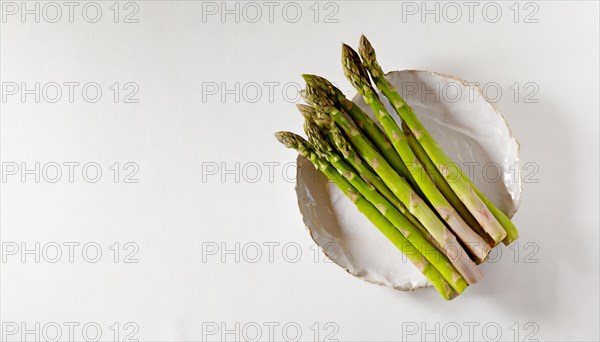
x,y
471,131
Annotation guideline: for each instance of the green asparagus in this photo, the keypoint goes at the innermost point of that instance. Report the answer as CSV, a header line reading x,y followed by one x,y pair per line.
x,y
372,131
398,185
444,187
296,142
453,175
359,77
340,143
408,230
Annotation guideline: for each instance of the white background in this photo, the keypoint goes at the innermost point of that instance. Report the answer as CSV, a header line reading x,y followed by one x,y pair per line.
x,y
179,130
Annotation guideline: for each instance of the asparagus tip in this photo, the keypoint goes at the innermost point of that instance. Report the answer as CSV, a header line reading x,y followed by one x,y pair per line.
x,y
316,116
306,110
318,81
303,95
347,50
312,79
289,139
349,56
365,48
338,139
281,137
318,97
316,138
367,53
354,69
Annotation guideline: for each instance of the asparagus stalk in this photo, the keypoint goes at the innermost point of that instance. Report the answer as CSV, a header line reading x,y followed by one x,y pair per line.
x,y
512,233
401,222
398,185
362,120
291,140
453,175
342,145
358,76
345,149
370,177
443,185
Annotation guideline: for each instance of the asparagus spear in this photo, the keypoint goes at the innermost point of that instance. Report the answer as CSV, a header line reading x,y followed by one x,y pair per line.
x,y
408,230
512,233
444,187
401,189
453,175
362,120
291,140
340,143
358,76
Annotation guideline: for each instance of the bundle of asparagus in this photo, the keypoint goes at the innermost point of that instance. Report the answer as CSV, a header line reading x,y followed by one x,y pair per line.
x,y
399,177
